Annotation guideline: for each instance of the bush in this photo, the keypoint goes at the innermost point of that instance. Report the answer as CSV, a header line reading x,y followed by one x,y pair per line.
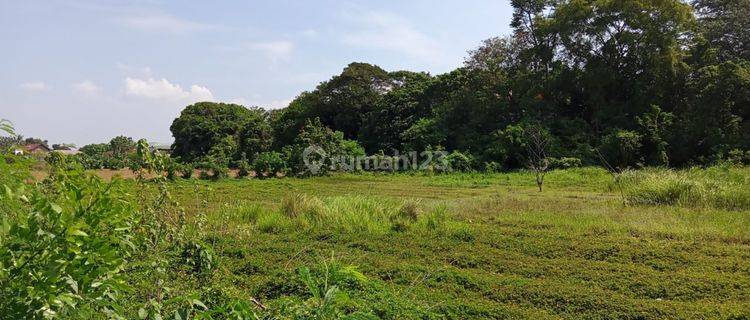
x,y
171,167
268,164
213,171
565,163
621,149
198,256
460,162
492,167
186,170
61,252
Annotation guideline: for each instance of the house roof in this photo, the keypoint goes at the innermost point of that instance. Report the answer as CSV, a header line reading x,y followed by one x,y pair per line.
x,y
35,147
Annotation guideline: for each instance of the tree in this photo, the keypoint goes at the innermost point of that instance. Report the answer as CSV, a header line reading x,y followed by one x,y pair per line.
x,y
400,108
317,148
204,125
655,125
725,25
537,146
121,146
621,149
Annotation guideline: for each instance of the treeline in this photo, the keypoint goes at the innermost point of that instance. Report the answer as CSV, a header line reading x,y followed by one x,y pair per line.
x,y
616,83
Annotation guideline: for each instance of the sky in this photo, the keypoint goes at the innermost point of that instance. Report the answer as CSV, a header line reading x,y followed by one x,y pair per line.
x,y
86,71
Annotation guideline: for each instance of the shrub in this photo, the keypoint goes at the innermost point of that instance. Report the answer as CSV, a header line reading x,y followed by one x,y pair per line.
x,y
268,164
198,256
66,248
492,167
213,171
621,149
186,170
565,163
460,162
172,167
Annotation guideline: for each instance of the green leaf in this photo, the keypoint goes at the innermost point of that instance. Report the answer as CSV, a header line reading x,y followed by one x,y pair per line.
x,y
142,313
57,209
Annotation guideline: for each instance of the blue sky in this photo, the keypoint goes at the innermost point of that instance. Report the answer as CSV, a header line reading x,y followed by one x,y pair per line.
x,y
86,71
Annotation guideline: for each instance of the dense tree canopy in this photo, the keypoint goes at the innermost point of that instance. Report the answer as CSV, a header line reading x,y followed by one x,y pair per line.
x,y
616,83
223,131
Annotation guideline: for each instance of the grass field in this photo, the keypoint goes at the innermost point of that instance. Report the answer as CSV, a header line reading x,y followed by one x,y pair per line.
x,y
472,246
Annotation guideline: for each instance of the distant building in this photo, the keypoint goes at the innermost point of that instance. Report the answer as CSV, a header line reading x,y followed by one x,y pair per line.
x,y
35,148
69,152
162,148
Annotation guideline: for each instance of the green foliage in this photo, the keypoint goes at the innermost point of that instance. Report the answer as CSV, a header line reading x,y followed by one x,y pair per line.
x,y
212,171
460,162
243,167
219,130
199,257
323,147
565,163
269,164
7,127
186,170
622,149
64,247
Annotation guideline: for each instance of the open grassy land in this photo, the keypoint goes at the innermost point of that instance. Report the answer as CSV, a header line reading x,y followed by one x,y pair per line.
x,y
478,246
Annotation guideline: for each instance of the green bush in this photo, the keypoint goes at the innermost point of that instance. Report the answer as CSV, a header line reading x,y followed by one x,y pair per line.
x,y
461,162
65,246
186,170
213,171
565,163
268,164
622,149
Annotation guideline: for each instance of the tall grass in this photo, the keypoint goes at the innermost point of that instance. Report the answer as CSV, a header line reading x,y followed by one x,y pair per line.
x,y
346,214
716,187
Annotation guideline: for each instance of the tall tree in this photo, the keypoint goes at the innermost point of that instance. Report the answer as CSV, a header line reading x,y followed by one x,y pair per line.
x,y
204,126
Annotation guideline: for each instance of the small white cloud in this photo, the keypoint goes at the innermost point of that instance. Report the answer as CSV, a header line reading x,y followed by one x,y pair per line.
x,y
166,24
382,30
34,86
164,90
86,88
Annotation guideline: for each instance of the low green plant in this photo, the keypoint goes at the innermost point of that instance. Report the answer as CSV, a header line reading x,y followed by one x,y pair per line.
x,y
186,170
268,164
65,246
198,256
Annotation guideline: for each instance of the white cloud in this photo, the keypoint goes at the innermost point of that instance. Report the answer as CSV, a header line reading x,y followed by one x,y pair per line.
x,y
34,86
164,90
166,24
382,30
86,88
